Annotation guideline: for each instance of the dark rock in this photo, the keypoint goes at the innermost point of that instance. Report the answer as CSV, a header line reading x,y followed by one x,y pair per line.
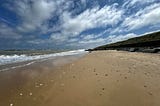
x,y
132,49
154,50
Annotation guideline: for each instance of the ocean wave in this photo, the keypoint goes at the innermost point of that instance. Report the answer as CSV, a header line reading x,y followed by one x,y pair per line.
x,y
8,59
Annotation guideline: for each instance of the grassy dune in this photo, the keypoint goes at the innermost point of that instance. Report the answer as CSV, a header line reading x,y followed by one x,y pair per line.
x,y
147,41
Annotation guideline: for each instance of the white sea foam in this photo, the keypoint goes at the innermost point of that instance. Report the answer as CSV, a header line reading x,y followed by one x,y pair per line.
x,y
8,59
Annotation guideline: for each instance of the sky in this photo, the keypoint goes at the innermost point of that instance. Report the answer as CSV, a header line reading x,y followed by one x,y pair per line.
x,y
74,24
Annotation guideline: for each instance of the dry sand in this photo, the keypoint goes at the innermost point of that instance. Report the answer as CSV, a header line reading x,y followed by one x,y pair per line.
x,y
101,78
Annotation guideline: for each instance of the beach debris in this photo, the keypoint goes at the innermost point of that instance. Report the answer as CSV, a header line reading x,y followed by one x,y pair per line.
x,y
102,88
96,74
30,94
125,77
11,104
21,94
41,84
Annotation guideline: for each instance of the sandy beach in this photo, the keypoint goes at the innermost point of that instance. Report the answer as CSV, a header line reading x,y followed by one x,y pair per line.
x,y
100,78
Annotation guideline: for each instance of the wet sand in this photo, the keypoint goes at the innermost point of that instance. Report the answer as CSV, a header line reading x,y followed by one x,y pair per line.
x,y
101,78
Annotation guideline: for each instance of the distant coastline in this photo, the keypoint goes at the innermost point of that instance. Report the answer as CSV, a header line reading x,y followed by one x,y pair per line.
x,y
149,43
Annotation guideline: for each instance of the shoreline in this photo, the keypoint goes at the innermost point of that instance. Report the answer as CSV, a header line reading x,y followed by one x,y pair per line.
x,y
100,78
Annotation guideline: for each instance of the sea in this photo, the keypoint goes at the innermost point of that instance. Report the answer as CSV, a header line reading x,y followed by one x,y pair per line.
x,y
31,56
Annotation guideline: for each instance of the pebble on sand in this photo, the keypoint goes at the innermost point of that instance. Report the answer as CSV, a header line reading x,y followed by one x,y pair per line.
x,y
30,94
125,77
11,104
21,94
41,84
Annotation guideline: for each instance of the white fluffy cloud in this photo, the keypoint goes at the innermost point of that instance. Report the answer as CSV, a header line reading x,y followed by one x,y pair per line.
x,y
116,38
91,18
147,16
91,41
131,3
33,13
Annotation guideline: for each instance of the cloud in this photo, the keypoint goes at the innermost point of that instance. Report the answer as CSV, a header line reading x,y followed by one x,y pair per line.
x,y
147,16
72,26
116,38
91,41
131,3
8,32
87,43
33,13
78,23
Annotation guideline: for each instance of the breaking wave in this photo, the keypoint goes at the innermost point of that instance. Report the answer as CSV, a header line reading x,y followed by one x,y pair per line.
x,y
8,59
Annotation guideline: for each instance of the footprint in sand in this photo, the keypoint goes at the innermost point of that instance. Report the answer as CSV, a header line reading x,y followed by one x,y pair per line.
x,y
106,74
98,80
145,86
94,70
125,77
150,93
37,86
100,94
